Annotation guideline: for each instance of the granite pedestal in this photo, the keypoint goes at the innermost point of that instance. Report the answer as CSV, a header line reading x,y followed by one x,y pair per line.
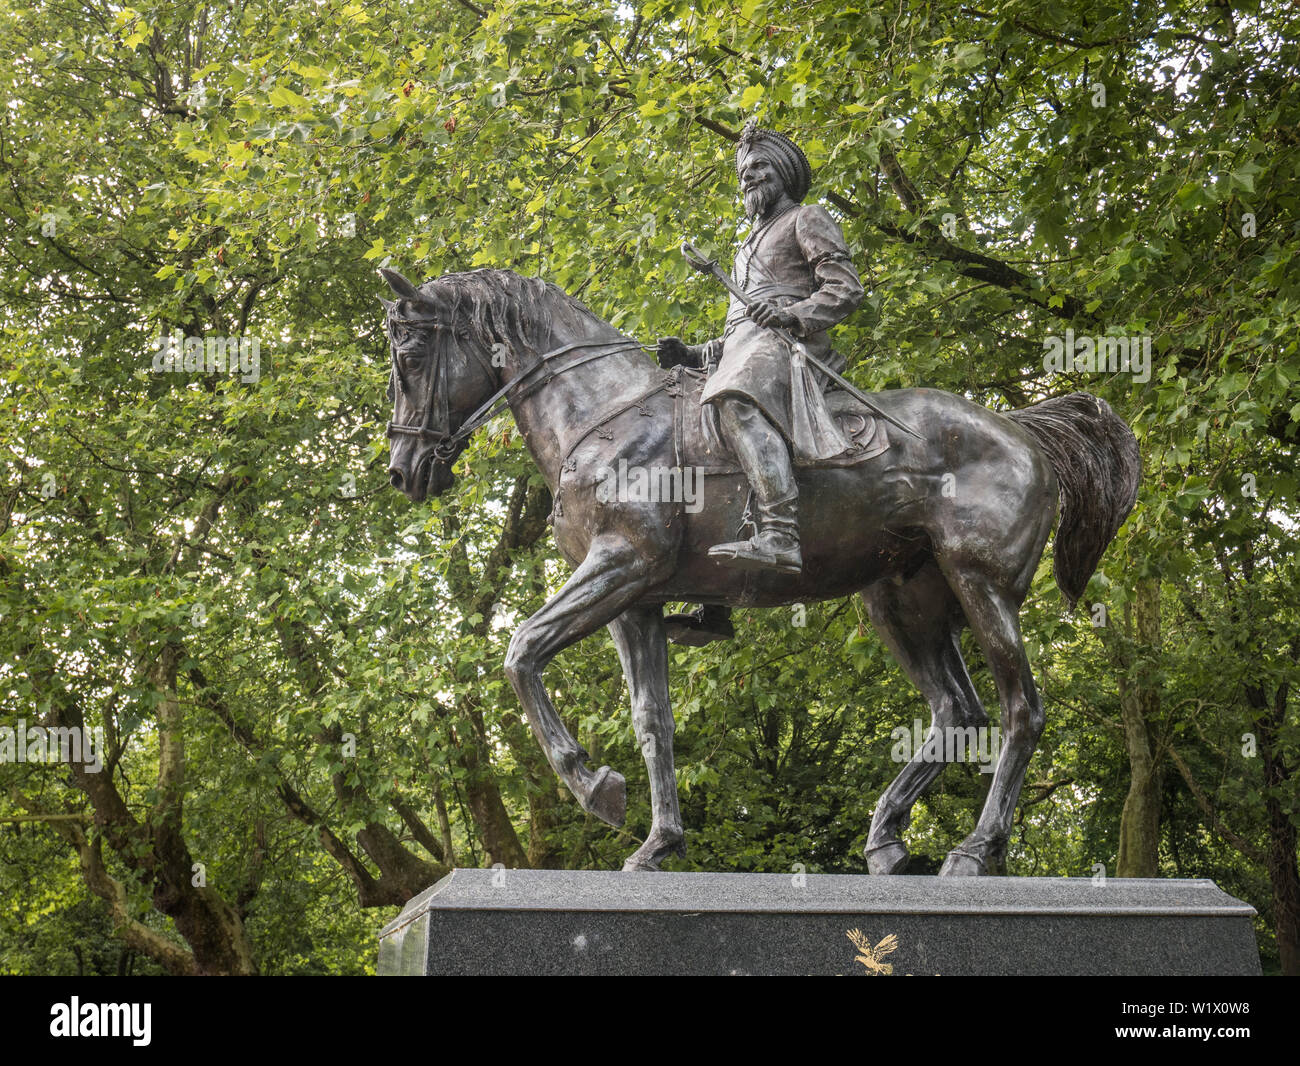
x,y
553,922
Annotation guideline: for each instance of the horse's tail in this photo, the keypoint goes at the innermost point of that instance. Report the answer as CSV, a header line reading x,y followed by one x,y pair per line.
x,y
1098,466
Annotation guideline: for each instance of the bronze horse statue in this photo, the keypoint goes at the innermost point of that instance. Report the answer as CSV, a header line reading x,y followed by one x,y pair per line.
x,y
940,532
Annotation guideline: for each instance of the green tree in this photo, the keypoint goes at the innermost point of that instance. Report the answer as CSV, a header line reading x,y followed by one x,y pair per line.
x,y
298,675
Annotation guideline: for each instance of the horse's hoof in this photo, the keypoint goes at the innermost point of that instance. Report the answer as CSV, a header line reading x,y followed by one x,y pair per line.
x,y
656,848
888,858
960,864
607,799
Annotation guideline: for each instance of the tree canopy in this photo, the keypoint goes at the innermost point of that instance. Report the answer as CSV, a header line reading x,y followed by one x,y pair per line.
x,y
296,672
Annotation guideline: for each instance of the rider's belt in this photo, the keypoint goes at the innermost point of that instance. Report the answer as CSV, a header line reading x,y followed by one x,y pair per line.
x,y
766,292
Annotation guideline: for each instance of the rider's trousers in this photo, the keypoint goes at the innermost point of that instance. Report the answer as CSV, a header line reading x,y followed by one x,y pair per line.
x,y
764,457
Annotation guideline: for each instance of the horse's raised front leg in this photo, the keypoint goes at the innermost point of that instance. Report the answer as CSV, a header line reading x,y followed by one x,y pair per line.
x,y
612,576
920,622
642,644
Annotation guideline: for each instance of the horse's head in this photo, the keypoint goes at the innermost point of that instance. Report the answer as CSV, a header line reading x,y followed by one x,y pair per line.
x,y
433,386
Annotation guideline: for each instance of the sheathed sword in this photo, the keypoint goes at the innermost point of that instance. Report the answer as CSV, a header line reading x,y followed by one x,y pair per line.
x,y
705,265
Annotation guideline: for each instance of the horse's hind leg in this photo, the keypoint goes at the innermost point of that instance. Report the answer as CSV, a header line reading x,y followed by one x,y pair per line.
x,y
613,575
642,644
993,613
920,622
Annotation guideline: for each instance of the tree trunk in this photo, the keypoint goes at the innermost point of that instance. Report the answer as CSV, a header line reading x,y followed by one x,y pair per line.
x,y
500,841
1283,875
1139,827
1285,879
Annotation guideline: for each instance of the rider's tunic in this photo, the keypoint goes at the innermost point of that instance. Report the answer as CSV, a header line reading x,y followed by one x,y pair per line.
x,y
800,262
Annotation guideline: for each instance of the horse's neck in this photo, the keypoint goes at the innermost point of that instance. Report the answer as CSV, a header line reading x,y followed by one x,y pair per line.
x,y
552,416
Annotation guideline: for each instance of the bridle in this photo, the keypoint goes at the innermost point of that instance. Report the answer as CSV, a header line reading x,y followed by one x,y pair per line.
x,y
446,441
435,409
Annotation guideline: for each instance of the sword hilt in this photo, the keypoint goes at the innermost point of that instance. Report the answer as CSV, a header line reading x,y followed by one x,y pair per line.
x,y
697,259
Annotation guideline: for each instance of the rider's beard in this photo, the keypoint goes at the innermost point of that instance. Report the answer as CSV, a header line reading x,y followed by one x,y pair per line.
x,y
760,199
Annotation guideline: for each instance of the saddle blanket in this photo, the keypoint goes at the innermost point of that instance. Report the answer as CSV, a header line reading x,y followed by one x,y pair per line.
x,y
699,443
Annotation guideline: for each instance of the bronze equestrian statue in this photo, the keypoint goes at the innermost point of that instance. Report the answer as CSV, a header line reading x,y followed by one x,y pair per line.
x,y
937,529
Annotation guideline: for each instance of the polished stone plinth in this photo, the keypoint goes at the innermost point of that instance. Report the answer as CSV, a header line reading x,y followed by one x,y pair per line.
x,y
554,922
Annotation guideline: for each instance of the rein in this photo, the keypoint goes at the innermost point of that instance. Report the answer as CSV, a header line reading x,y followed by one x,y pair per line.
x,y
445,446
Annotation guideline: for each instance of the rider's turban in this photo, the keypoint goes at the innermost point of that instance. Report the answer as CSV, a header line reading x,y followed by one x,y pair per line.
x,y
786,156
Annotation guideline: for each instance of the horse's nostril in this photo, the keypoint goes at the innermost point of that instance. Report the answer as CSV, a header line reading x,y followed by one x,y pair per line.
x,y
395,479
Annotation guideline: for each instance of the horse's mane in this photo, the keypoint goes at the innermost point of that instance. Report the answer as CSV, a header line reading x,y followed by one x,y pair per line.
x,y
491,305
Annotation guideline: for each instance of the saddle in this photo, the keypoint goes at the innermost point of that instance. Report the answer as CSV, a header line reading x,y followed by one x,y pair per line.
x,y
698,442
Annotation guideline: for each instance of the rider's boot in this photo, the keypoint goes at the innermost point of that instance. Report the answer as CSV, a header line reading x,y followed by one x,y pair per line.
x,y
776,544
697,628
765,458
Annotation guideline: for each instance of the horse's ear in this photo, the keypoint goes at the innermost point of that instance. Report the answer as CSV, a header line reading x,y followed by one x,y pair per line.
x,y
388,304
403,287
